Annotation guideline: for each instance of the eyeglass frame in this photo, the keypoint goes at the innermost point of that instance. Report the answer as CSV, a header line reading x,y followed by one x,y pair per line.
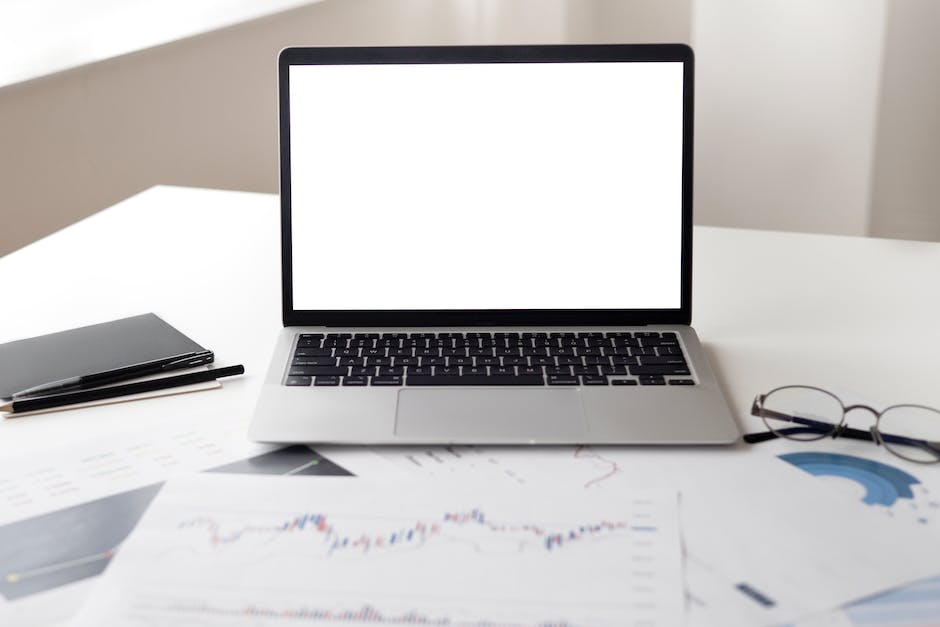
x,y
839,429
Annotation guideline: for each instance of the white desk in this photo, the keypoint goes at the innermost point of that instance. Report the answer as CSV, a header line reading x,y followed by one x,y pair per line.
x,y
771,308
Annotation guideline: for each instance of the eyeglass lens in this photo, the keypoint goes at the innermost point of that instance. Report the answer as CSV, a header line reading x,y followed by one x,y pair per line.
x,y
911,432
801,413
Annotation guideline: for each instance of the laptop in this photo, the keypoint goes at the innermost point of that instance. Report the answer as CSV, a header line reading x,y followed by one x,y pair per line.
x,y
488,245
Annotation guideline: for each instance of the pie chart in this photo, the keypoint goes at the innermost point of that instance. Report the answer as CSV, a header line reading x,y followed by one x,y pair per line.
x,y
883,484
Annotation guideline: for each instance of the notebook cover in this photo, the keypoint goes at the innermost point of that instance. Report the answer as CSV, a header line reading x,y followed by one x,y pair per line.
x,y
88,350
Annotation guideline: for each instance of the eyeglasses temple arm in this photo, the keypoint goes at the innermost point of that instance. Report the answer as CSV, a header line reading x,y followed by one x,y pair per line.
x,y
845,432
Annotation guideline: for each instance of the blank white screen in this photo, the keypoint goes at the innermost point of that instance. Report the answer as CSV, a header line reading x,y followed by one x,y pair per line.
x,y
486,186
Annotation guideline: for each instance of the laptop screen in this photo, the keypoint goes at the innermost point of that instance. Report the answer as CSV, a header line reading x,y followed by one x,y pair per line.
x,y
499,186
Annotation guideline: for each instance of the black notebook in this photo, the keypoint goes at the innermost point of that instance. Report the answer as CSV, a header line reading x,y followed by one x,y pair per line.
x,y
89,350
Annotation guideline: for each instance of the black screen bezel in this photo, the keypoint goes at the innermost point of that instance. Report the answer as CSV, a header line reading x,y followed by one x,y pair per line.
x,y
485,54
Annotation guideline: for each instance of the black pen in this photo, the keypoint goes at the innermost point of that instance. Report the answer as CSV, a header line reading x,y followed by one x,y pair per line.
x,y
97,394
98,379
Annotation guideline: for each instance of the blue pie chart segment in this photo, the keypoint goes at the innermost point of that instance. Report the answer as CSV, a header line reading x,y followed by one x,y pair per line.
x,y
883,484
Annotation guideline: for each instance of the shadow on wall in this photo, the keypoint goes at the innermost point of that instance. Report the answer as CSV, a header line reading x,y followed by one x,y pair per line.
x,y
202,111
798,127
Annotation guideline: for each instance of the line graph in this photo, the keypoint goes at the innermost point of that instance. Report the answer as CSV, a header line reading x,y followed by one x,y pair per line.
x,y
415,533
611,467
55,549
427,553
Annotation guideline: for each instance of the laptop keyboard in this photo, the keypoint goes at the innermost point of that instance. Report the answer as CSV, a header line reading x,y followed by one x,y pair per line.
x,y
435,359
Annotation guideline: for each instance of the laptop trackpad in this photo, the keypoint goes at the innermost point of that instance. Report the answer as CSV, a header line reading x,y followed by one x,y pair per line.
x,y
519,413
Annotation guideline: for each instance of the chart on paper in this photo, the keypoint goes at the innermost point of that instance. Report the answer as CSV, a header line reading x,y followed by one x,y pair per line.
x,y
366,553
65,513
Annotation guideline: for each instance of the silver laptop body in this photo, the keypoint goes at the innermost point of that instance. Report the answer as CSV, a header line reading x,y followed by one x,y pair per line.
x,y
488,244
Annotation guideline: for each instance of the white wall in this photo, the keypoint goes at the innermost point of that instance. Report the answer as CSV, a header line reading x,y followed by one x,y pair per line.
x,y
906,183
202,111
787,99
795,129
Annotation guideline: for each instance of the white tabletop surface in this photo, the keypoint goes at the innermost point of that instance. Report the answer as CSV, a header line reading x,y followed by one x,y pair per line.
x,y
772,308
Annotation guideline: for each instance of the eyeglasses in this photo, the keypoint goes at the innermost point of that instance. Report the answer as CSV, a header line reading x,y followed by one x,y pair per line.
x,y
806,413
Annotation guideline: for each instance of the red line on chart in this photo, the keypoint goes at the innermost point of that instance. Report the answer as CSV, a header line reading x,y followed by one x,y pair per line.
x,y
582,452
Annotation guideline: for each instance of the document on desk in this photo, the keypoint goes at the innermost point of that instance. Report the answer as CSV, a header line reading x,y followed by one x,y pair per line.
x,y
765,542
871,481
64,513
219,550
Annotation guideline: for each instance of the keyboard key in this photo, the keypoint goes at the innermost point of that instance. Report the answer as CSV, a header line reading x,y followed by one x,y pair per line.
x,y
379,361
535,352
681,382
515,361
476,380
326,381
319,361
652,381
623,360
426,370
562,380
624,381
481,352
593,380
386,380
510,371
366,371
585,370
313,352
297,381
308,371
658,370
391,371
659,361
357,380
475,370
